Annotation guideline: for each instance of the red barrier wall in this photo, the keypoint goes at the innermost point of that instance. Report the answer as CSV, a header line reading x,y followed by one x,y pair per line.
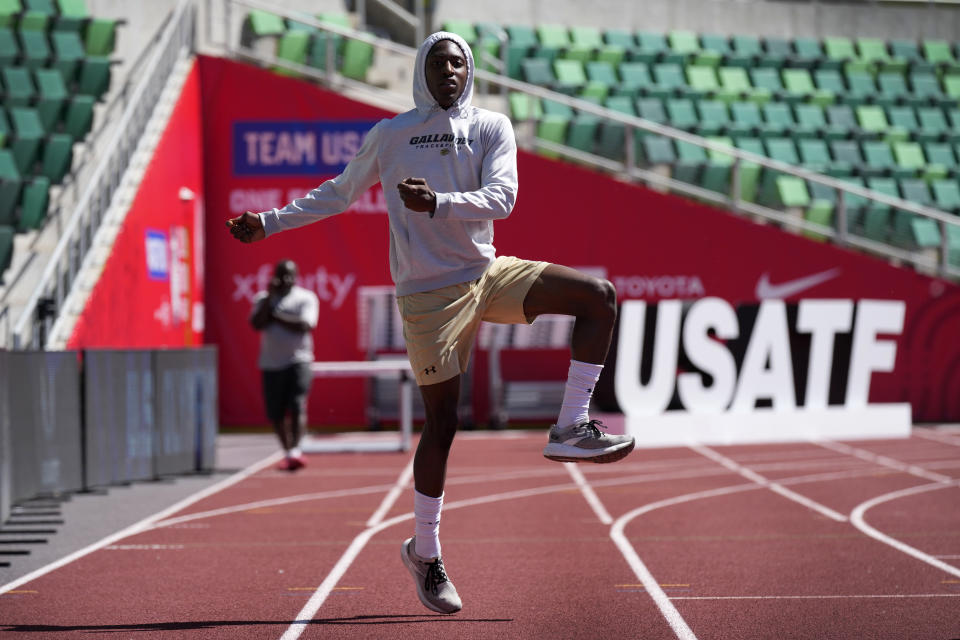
x,y
151,291
652,246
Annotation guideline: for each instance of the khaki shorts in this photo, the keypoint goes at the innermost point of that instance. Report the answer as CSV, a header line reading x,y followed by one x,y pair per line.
x,y
439,326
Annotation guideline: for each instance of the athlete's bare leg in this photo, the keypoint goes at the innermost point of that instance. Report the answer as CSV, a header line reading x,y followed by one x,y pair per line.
x,y
592,301
430,462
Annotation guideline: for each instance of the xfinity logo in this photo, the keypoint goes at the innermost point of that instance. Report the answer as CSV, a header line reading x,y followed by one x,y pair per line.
x,y
765,369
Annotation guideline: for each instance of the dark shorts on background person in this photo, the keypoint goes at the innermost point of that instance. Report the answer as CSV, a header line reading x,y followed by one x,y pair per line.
x,y
286,389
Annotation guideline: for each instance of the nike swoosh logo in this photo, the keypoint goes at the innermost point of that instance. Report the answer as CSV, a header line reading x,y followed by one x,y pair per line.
x,y
766,290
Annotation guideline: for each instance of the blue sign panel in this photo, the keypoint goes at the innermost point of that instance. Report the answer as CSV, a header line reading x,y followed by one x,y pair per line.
x,y
296,147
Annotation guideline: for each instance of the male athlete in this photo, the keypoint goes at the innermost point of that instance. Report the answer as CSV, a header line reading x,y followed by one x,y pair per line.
x,y
454,167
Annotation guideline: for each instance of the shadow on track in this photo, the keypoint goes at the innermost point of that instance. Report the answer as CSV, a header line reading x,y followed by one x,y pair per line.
x,y
213,624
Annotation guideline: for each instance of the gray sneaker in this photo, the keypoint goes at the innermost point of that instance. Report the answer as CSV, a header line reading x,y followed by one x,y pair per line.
x,y
434,588
585,442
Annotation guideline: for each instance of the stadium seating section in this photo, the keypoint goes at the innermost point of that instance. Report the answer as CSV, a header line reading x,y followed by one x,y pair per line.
x,y
879,114
303,44
54,66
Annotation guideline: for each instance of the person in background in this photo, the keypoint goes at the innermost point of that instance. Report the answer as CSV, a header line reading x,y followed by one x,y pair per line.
x,y
285,315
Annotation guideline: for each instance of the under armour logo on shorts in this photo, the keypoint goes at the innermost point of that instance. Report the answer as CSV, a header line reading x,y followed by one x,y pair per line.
x,y
429,370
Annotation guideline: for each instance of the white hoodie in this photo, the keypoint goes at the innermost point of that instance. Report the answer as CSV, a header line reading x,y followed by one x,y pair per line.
x,y
467,155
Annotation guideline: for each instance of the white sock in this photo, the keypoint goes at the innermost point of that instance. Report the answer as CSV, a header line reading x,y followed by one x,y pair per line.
x,y
581,379
426,514
295,452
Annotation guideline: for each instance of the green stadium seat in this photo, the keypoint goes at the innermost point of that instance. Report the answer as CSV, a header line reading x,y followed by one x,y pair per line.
x,y
807,53
683,42
464,29
94,77
745,50
553,108
6,248
690,161
524,107
657,150
911,231
940,154
937,52
582,132
357,59
51,97
768,80
9,12
36,49
839,50
577,52
18,88
830,80
903,123
72,15
872,119
746,120
610,143
790,192
668,80
57,157
778,120
553,35
715,171
799,87
652,109
293,46
11,185
614,54
841,117
521,41
260,24
68,54
571,76
9,47
652,47
539,72
776,52
814,154
702,81
874,51
893,88
946,195
79,117
951,85
906,49
35,20
33,205
862,87
100,38
735,85
28,135
714,117
634,78
749,171
584,36
854,204
604,73
876,216
812,122
934,126
681,114
909,157
926,90
552,128
619,38
846,153
715,42
819,212
878,158
782,150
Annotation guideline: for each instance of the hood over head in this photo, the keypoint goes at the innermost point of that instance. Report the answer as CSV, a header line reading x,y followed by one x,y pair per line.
x,y
422,98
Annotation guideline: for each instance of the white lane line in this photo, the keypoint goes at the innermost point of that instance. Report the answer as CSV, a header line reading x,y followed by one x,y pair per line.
x,y
588,494
392,495
374,524
145,523
935,436
769,484
885,461
822,597
674,619
857,518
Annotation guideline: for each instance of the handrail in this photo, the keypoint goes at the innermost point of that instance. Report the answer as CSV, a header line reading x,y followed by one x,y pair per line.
x,y
844,190
74,244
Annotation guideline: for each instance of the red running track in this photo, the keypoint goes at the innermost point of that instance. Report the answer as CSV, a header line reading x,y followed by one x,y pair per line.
x,y
832,540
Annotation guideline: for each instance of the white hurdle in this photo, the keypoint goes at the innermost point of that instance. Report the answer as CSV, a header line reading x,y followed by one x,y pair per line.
x,y
366,442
